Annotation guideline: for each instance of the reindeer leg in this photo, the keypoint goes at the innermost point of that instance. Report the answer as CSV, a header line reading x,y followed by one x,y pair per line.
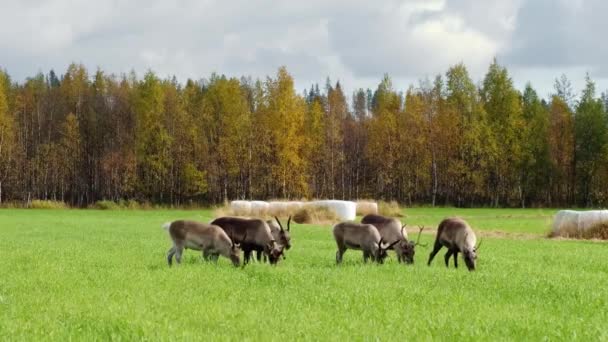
x,y
436,249
258,255
178,253
339,255
447,256
365,256
206,255
456,259
247,256
214,257
170,255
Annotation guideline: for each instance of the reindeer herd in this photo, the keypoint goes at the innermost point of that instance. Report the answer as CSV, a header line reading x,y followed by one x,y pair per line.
x,y
374,236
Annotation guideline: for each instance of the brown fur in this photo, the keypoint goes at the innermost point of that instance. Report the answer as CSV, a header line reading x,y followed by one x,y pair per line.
x,y
364,237
208,238
458,237
282,236
256,234
391,229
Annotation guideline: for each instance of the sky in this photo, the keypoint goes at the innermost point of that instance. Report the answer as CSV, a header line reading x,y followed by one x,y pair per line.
x,y
353,41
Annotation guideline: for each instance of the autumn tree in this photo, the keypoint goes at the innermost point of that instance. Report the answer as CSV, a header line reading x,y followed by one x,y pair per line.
x,y
8,142
285,114
503,107
151,138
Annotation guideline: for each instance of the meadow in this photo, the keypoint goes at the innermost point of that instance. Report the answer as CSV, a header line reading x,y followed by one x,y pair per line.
x,y
102,275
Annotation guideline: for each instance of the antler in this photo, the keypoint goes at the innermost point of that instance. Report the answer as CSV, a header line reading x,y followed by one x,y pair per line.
x,y
419,234
391,245
279,222
478,245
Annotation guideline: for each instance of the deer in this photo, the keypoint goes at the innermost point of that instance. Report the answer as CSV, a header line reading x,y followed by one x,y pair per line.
x,y
280,235
208,238
364,237
391,229
458,237
252,234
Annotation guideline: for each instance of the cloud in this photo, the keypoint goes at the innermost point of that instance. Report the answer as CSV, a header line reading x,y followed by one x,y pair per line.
x,y
355,41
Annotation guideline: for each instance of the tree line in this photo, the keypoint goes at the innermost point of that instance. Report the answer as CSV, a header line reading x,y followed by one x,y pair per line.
x,y
82,137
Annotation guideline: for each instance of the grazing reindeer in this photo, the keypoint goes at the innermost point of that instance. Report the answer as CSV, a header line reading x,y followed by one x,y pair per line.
x,y
390,229
208,238
279,234
458,237
364,237
252,234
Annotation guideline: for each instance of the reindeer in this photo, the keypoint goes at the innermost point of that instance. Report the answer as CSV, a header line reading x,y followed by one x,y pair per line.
x,y
252,234
279,234
458,237
390,229
208,238
364,237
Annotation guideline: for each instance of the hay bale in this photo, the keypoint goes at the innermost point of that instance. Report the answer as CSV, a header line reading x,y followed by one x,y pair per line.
x,y
572,223
277,208
592,218
345,210
293,206
240,208
565,221
259,208
310,213
366,208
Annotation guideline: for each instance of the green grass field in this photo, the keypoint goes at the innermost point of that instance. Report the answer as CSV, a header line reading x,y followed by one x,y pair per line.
x,y
100,275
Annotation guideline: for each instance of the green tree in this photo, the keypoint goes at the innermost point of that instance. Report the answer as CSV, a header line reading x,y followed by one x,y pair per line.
x,y
591,138
152,141
535,165
503,107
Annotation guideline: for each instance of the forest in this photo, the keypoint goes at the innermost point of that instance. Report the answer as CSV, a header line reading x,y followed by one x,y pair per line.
x,y
83,137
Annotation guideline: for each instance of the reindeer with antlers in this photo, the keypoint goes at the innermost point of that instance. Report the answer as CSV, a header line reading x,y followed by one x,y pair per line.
x,y
391,229
208,238
280,235
458,237
363,237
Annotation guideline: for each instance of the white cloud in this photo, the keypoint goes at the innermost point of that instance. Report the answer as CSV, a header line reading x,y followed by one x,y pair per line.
x,y
354,41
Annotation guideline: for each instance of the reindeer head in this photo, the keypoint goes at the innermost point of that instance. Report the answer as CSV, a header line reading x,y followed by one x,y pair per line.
x,y
284,238
470,256
381,253
275,251
407,249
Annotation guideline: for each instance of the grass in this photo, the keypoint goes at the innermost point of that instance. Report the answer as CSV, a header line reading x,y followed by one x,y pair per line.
x,y
102,275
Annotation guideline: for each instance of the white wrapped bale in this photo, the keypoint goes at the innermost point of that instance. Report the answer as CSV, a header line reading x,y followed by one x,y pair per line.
x,y
292,207
591,218
277,208
259,208
240,208
572,222
565,220
366,208
345,210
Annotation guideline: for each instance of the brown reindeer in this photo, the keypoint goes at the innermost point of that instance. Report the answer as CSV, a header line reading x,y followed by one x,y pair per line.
x,y
391,229
252,234
458,237
208,238
364,237
279,234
